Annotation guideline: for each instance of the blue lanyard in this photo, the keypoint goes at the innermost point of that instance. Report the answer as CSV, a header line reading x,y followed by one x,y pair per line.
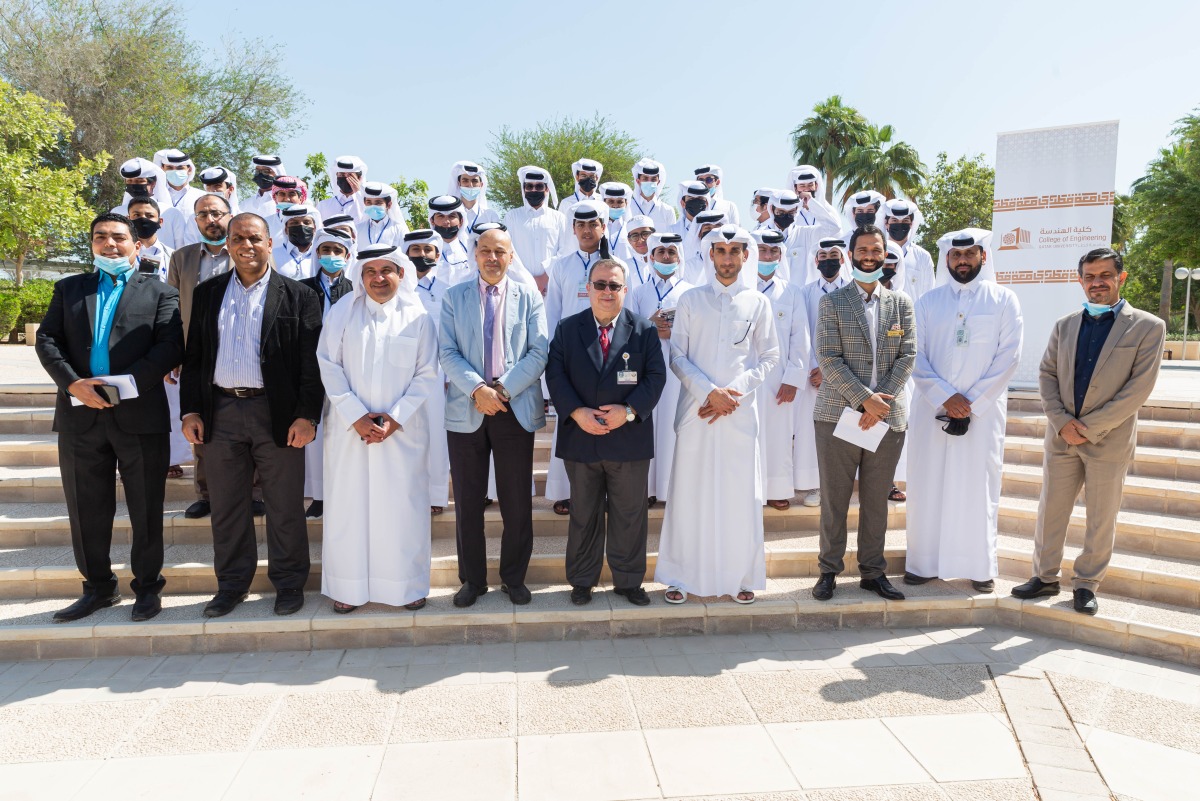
x,y
182,195
663,295
463,260
612,245
347,203
637,265
474,219
381,230
641,210
586,262
804,217
767,288
321,283
429,288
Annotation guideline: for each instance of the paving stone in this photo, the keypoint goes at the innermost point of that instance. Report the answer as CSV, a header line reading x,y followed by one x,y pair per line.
x,y
32,732
560,707
317,720
665,702
193,725
801,695
454,713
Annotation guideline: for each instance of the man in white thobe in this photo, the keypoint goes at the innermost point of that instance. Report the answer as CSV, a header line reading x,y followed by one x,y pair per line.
x,y
649,177
711,176
587,174
914,274
384,223
616,196
267,167
775,399
969,332
469,183
293,256
723,345
378,357
656,300
347,174
641,267
539,232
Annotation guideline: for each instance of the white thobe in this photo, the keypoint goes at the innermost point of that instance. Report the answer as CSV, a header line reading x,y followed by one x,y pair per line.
x,y
641,270
291,263
474,216
813,224
918,273
455,264
618,241
377,358
181,449
968,342
538,235
804,453
431,290
566,294
728,207
385,232
645,300
712,533
662,213
262,204
777,421
570,201
314,458
343,204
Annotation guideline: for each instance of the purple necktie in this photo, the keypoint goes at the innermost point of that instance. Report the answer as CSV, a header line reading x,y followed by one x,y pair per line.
x,y
491,301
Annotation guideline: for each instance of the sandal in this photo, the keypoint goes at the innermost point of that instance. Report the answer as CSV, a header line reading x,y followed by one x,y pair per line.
x,y
415,605
738,598
674,595
174,471
781,505
436,510
562,507
897,494
343,609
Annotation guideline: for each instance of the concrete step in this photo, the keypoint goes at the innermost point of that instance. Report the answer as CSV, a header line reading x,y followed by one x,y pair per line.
x,y
1162,409
26,419
28,449
1170,463
1151,433
27,395
1141,493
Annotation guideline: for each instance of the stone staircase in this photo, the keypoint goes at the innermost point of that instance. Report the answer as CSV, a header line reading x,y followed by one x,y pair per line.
x,y
1148,601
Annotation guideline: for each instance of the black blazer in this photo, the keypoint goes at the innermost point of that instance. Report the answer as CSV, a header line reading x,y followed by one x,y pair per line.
x,y
290,330
146,342
340,288
577,378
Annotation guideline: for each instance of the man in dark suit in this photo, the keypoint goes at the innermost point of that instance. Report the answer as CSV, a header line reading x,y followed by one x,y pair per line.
x,y
113,322
605,373
251,391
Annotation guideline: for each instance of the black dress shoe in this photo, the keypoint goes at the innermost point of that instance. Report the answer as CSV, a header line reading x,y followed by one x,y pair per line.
x,y
636,596
467,594
487,502
315,509
224,602
653,499
258,508
823,590
289,602
579,595
913,578
519,594
197,510
882,587
86,605
984,586
1035,588
1085,602
146,606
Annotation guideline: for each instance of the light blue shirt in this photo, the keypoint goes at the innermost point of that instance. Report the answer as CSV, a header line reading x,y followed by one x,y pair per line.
x,y
108,295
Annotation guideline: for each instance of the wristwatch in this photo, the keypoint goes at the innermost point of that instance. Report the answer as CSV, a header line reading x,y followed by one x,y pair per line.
x,y
314,422
629,415
501,391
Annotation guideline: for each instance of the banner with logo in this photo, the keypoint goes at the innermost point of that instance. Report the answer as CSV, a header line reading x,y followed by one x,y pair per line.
x,y
1053,203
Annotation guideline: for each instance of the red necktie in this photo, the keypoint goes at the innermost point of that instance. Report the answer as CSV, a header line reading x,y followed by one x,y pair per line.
x,y
604,341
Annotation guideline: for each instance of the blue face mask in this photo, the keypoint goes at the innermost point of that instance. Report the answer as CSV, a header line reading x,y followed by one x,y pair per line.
x,y
1096,309
469,192
213,242
648,188
864,277
616,214
767,268
376,213
177,177
665,269
712,190
283,205
332,264
114,267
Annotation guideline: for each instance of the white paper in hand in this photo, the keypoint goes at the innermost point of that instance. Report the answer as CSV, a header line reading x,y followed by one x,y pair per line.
x,y
848,429
126,387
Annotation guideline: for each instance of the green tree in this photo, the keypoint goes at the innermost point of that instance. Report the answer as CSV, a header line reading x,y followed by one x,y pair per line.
x,y
414,200
134,81
42,204
824,139
555,145
957,195
878,163
317,177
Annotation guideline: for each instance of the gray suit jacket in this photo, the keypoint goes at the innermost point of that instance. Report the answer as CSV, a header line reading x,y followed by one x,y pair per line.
x,y
526,349
844,350
184,274
1122,381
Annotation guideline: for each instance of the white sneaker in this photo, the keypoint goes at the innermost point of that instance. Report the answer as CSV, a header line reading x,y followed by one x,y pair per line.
x,y
813,498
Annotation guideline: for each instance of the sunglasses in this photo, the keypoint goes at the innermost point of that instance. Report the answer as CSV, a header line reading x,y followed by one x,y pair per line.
x,y
611,286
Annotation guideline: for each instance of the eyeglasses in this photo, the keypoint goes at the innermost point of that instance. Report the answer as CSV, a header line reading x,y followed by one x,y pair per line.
x,y
211,215
535,187
638,236
709,180
611,286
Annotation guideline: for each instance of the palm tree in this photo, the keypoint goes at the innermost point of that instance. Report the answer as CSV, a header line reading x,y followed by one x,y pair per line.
x,y
883,165
824,139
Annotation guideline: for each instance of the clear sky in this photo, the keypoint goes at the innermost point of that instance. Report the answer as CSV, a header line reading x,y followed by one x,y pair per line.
x,y
412,87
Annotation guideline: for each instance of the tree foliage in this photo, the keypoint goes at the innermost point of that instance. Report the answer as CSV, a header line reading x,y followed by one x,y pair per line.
x,y
414,200
957,195
316,177
554,145
876,162
134,81
32,135
825,138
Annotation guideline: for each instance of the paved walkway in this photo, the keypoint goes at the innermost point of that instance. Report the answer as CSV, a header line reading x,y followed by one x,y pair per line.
x,y
822,716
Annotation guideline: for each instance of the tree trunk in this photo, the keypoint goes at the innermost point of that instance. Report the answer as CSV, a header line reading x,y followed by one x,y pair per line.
x,y
1164,294
19,269
828,186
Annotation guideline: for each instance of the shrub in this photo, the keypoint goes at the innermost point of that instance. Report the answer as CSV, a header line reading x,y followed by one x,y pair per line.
x,y
10,312
35,297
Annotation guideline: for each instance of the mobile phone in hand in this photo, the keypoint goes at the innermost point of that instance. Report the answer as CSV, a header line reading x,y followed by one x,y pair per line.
x,y
109,393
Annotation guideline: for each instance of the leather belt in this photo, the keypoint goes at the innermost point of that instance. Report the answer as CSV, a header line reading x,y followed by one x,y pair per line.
x,y
242,392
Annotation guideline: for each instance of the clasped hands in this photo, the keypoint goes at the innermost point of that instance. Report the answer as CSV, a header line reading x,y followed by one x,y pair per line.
x,y
875,408
488,401
1072,433
598,422
719,403
371,432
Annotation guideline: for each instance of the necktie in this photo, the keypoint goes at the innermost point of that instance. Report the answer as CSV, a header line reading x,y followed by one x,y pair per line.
x,y
604,340
491,301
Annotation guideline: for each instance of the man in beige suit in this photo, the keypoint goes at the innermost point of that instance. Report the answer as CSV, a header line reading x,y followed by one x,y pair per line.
x,y
1098,370
190,266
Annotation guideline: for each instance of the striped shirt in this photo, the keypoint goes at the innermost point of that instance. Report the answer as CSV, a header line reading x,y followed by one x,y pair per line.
x,y
239,334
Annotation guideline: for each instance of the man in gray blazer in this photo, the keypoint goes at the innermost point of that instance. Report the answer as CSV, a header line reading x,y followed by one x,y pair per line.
x,y
867,346
493,350
1099,368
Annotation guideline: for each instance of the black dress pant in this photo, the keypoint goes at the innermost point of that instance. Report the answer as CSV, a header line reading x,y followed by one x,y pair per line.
x,y
241,442
89,461
608,513
503,438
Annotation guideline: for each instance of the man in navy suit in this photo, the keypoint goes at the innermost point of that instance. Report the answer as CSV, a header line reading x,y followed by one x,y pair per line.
x,y
605,373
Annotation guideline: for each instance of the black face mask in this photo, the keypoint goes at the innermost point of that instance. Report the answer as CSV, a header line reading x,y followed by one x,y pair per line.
x,y
695,206
784,221
138,190
955,426
300,235
969,277
343,185
535,199
888,274
587,184
829,268
864,218
264,180
899,231
446,231
145,228
423,263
